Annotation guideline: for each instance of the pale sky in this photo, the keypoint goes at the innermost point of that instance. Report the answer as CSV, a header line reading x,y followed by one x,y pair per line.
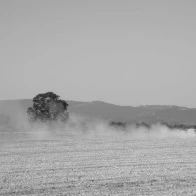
x,y
126,52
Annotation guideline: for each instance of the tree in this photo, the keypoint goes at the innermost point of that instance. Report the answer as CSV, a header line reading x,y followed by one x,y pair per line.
x,y
48,107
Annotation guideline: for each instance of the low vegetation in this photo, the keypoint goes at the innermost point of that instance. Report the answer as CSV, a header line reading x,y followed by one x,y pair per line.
x,y
124,125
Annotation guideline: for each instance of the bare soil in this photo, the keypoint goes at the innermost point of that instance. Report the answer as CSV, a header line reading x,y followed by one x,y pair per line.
x,y
98,166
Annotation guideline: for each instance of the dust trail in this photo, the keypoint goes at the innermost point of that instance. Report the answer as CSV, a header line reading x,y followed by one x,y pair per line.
x,y
17,126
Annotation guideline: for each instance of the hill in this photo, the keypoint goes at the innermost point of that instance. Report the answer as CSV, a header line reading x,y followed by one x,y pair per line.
x,y
97,109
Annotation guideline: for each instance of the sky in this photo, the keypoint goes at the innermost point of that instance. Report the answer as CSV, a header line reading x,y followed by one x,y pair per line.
x,y
126,52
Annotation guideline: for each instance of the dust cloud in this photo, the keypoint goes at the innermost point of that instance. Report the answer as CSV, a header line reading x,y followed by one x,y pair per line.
x,y
16,126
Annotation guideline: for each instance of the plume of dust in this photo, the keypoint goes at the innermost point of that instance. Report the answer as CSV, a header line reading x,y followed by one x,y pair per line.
x,y
78,126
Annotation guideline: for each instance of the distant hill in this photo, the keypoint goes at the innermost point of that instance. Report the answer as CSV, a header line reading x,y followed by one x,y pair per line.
x,y
97,109
148,114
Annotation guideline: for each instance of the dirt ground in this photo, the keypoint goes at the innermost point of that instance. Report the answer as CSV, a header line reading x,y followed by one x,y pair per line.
x,y
98,166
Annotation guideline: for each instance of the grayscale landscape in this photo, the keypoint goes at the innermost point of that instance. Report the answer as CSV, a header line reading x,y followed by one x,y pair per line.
x,y
97,97
90,157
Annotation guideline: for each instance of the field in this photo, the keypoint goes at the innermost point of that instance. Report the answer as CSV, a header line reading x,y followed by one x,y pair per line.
x,y
76,165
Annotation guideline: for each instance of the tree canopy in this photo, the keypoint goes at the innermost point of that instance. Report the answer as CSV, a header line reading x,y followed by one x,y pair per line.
x,y
48,107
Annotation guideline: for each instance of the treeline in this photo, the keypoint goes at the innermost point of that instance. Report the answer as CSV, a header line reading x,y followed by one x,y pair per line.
x,y
124,125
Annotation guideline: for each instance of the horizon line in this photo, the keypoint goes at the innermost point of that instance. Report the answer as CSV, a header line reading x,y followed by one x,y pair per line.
x,y
141,105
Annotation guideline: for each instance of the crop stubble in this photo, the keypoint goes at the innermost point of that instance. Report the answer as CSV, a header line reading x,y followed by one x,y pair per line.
x,y
98,166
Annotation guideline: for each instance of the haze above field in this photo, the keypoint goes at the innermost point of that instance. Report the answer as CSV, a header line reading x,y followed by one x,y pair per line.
x,y
123,52
97,109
